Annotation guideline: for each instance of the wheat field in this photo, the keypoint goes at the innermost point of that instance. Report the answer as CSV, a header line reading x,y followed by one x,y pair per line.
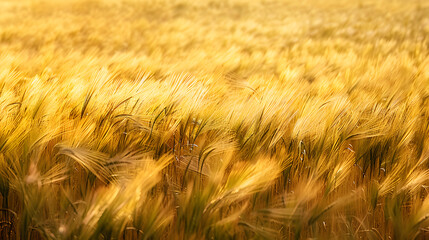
x,y
214,119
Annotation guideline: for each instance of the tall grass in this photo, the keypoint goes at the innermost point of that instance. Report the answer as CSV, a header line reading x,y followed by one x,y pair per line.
x,y
214,119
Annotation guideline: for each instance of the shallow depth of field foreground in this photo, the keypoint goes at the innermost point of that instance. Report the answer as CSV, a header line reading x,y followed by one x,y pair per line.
x,y
214,119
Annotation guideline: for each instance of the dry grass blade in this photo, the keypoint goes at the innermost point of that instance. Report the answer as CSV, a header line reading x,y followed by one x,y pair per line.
x,y
94,162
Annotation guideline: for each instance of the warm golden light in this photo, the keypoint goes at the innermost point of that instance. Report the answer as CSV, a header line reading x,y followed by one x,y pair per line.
x,y
214,119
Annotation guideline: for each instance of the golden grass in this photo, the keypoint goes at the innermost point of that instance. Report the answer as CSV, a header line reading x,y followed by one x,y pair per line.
x,y
226,119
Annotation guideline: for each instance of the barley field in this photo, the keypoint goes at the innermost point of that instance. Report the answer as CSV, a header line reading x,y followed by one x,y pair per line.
x,y
214,119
